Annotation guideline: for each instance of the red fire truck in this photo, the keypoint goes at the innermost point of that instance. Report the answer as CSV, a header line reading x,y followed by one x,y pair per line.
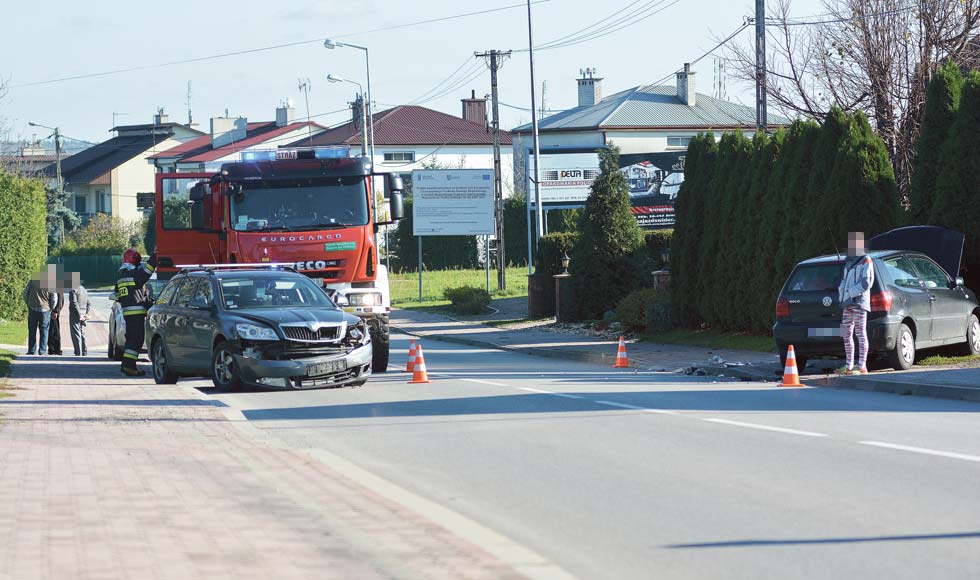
x,y
309,207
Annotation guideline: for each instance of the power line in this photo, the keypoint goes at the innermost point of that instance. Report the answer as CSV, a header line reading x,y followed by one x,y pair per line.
x,y
272,47
738,30
804,22
616,25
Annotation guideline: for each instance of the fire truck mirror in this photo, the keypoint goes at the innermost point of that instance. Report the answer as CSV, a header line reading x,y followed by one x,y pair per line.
x,y
394,186
393,183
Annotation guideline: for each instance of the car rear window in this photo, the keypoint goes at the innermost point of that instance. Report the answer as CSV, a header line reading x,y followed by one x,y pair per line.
x,y
816,278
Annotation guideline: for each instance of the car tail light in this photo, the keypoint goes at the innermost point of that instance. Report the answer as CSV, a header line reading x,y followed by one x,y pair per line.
x,y
782,308
881,301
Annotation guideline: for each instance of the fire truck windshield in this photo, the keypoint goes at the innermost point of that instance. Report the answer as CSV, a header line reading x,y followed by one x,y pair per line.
x,y
294,205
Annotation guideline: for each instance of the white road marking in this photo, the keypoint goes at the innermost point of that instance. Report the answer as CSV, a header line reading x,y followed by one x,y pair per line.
x,y
766,427
567,396
491,383
533,390
622,405
936,452
560,373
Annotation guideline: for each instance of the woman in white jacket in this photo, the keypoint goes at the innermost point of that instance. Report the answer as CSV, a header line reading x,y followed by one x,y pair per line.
x,y
854,294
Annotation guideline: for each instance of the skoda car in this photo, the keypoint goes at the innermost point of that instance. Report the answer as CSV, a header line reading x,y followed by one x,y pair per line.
x,y
258,327
917,301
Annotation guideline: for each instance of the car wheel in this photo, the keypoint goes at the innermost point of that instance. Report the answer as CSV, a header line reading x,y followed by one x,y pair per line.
x,y
162,373
224,369
115,352
972,344
903,355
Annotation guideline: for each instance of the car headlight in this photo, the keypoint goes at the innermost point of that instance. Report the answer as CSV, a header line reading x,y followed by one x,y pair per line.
x,y
358,333
254,332
365,299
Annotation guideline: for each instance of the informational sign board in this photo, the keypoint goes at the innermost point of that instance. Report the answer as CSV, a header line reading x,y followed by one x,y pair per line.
x,y
565,177
452,202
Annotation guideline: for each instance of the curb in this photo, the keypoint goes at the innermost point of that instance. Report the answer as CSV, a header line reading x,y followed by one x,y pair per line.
x,y
883,385
743,372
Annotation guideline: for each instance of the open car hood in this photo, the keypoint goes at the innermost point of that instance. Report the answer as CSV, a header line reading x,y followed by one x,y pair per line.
x,y
944,246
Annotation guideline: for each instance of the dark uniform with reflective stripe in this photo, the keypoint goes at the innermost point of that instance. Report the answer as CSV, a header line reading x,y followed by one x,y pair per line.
x,y
132,297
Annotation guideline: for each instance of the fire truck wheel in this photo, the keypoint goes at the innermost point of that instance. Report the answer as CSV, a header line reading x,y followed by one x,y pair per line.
x,y
380,340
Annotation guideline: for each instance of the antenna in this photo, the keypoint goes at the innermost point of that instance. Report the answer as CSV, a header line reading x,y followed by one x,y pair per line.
x,y
720,80
304,87
190,117
829,231
544,98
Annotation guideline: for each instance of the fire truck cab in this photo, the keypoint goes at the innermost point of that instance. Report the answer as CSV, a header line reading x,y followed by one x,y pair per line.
x,y
311,208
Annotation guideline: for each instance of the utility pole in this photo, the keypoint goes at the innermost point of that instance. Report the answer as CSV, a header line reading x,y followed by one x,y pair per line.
x,y
496,60
539,230
761,122
61,184
190,117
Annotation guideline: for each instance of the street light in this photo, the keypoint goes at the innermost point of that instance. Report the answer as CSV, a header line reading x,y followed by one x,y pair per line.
x,y
364,120
60,183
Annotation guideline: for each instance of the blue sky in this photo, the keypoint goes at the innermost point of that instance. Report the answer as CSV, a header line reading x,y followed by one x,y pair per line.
x,y
59,39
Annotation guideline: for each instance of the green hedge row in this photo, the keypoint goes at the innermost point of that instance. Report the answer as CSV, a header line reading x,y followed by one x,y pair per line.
x,y
750,209
23,239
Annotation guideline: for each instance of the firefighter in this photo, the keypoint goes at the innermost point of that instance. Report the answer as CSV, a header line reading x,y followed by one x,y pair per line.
x,y
133,299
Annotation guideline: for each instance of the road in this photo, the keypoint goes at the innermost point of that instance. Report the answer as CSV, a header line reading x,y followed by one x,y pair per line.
x,y
654,475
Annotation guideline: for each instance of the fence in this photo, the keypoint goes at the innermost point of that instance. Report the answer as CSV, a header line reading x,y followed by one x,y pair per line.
x,y
95,270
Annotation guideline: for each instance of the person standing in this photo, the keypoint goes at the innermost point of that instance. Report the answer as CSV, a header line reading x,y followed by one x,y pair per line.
x,y
854,294
39,298
79,309
54,328
132,297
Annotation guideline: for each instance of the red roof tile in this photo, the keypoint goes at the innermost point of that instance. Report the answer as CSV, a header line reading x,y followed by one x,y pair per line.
x,y
199,150
412,125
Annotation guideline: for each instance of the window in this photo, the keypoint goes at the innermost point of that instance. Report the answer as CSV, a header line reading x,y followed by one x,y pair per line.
x,y
271,292
678,142
168,292
902,272
102,204
178,206
184,292
816,278
80,204
932,275
295,205
406,156
203,292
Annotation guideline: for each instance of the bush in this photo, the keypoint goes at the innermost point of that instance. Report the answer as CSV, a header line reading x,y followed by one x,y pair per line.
x,y
658,314
468,299
631,310
22,239
103,235
551,247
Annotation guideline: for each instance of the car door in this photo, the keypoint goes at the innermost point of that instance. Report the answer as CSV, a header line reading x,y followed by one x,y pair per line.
x,y
910,293
178,323
202,321
949,306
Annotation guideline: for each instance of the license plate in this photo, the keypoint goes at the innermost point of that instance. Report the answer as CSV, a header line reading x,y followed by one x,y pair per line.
x,y
823,332
325,368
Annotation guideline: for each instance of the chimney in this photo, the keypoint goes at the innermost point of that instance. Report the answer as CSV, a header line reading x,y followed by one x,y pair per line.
x,y
686,91
589,88
225,130
161,117
474,109
285,113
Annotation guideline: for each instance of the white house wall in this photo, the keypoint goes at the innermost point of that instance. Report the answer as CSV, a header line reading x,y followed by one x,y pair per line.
x,y
135,176
456,156
647,141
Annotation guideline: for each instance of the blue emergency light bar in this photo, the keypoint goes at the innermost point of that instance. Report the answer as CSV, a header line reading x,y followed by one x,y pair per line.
x,y
338,152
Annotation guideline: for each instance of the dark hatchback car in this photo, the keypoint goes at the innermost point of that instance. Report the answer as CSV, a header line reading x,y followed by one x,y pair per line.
x,y
271,328
915,303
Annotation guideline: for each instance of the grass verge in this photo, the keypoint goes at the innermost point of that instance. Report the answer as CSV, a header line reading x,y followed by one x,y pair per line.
x,y
13,332
405,285
941,360
713,339
6,358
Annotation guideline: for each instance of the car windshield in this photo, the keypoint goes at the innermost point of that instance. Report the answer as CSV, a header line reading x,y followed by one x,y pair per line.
x,y
271,292
816,278
294,205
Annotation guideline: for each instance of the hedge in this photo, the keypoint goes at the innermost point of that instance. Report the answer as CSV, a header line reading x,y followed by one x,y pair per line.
x,y
23,239
551,248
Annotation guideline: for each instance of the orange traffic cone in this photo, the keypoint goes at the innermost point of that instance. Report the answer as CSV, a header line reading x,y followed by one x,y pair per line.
x,y
419,375
621,361
410,367
791,376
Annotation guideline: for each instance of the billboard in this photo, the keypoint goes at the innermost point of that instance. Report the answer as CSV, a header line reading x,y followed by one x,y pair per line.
x,y
452,202
653,178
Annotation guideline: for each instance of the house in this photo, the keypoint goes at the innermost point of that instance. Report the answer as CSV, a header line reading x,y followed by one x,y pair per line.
x,y
229,137
409,137
649,123
28,159
110,176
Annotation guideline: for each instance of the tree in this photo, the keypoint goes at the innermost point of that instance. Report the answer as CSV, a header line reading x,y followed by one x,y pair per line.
x,y
941,104
821,204
747,232
876,56
956,204
731,235
600,270
759,265
61,220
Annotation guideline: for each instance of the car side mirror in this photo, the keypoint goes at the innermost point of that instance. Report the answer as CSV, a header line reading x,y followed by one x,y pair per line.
x,y
959,282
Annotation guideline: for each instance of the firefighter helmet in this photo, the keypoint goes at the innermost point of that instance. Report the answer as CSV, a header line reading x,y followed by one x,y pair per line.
x,y
132,256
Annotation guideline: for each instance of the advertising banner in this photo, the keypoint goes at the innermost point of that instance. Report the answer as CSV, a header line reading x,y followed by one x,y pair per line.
x,y
452,202
565,177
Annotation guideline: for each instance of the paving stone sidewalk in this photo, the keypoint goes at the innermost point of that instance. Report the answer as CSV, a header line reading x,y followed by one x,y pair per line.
x,y
106,477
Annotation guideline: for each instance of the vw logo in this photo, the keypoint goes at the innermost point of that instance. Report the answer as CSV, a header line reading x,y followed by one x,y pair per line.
x,y
827,301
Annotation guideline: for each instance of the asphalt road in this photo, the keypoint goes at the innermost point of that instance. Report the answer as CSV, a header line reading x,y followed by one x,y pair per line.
x,y
645,475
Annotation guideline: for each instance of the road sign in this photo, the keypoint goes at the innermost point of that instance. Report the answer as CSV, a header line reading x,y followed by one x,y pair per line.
x,y
452,202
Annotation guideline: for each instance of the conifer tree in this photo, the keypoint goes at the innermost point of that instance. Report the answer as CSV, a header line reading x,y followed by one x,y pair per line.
x,y
686,245
820,206
942,101
713,242
732,233
601,272
757,265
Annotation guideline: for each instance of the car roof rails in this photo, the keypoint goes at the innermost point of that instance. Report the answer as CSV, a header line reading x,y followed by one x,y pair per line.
x,y
210,268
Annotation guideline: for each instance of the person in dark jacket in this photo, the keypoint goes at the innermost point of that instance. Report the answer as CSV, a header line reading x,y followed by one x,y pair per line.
x,y
133,298
54,330
79,309
39,297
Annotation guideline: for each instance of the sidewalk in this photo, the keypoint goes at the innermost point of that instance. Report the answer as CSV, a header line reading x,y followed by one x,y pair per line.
x,y
108,477
642,355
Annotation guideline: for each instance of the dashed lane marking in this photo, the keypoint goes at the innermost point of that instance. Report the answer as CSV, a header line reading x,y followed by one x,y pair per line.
x,y
923,450
765,427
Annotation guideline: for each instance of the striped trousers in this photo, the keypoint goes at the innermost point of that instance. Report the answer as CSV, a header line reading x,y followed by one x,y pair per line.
x,y
855,321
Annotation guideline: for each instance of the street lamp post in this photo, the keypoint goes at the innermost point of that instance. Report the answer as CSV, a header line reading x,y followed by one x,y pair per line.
x,y
539,211
363,108
60,186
